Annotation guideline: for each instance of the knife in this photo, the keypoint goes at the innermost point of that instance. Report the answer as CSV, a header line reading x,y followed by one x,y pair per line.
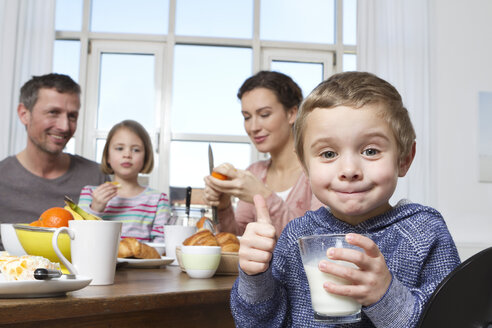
x,y
187,209
215,219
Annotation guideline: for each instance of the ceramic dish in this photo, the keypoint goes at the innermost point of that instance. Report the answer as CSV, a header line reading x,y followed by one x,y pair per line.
x,y
37,241
145,263
10,241
41,288
228,264
200,261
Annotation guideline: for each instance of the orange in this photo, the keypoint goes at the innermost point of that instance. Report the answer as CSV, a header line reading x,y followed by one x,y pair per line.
x,y
55,217
36,223
219,176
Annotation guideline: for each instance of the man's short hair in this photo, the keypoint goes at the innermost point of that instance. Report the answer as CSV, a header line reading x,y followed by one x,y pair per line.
x,y
60,82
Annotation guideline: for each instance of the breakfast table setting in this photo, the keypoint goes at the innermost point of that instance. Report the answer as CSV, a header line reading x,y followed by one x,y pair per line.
x,y
83,274
139,297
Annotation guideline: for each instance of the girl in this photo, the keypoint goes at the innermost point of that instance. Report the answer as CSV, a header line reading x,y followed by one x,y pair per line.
x,y
143,211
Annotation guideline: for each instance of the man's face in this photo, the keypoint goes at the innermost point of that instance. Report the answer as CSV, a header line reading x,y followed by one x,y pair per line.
x,y
52,121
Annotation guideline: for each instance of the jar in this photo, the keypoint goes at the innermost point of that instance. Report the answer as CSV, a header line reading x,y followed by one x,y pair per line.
x,y
179,217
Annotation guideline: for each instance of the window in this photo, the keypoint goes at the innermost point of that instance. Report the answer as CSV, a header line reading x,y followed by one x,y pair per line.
x,y
176,65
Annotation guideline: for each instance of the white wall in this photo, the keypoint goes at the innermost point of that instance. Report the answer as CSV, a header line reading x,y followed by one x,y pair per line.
x,y
461,66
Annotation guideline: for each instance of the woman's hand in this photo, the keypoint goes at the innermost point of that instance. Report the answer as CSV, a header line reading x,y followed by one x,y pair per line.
x,y
211,195
102,195
240,183
368,283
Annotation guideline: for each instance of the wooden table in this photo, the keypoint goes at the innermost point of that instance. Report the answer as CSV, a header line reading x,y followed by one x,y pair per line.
x,y
159,297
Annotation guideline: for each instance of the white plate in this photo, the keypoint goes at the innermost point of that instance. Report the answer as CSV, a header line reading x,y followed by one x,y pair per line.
x,y
145,263
41,288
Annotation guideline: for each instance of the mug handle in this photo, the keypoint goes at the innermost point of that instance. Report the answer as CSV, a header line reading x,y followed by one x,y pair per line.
x,y
54,243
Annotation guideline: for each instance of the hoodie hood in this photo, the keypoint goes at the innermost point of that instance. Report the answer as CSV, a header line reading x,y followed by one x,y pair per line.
x,y
322,221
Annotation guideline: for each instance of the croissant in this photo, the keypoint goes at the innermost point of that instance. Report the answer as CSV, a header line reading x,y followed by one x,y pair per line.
x,y
130,247
202,238
227,241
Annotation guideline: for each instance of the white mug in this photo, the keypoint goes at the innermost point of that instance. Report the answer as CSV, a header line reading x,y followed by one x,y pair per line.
x,y
174,236
93,247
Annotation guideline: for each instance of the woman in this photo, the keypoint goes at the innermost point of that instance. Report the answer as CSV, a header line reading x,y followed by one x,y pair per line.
x,y
269,102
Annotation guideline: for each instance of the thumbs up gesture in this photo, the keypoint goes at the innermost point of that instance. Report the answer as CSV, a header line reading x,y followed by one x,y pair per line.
x,y
258,241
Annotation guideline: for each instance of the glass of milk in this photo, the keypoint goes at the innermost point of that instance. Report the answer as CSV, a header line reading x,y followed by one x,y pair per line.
x,y
327,307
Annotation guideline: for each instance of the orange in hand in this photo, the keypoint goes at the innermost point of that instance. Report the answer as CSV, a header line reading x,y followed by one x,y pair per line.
x,y
55,217
219,176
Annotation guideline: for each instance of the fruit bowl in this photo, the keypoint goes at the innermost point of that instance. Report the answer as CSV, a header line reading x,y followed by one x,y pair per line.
x,y
37,241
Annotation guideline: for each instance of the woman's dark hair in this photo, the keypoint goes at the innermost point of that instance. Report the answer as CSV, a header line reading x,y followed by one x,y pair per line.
x,y
287,91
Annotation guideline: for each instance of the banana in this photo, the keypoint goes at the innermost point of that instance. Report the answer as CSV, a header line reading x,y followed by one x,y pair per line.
x,y
76,216
74,207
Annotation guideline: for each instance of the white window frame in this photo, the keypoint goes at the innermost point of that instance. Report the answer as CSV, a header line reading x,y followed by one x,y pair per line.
x,y
263,52
90,131
301,56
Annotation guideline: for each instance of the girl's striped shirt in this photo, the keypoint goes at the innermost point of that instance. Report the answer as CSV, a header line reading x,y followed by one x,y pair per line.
x,y
143,216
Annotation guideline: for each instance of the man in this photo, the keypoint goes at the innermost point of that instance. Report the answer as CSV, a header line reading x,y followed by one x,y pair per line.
x,y
41,175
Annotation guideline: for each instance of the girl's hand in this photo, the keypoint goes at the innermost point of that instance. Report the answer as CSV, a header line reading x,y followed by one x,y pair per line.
x,y
368,283
258,241
240,183
102,195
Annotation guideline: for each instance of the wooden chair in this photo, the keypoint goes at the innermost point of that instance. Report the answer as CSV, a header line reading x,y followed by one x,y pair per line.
x,y
464,298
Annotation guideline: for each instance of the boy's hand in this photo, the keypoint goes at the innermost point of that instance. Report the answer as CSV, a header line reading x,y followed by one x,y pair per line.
x,y
368,283
258,241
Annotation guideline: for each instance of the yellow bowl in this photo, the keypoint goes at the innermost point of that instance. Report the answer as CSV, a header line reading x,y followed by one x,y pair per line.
x,y
37,241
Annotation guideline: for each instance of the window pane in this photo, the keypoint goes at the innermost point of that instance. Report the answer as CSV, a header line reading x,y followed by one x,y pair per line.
x,y
126,90
99,149
206,80
301,21
215,18
70,146
349,62
66,58
68,15
189,160
350,22
306,75
130,16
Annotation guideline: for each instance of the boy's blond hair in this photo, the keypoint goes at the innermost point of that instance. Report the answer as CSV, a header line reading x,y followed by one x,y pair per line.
x,y
356,89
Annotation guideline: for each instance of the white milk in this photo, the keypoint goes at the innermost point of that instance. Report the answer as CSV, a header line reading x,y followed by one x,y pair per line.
x,y
323,302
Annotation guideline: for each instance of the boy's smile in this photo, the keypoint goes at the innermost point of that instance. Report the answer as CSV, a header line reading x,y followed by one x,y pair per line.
x,y
351,158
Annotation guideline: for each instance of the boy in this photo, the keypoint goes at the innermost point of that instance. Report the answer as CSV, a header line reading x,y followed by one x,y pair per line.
x,y
354,139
